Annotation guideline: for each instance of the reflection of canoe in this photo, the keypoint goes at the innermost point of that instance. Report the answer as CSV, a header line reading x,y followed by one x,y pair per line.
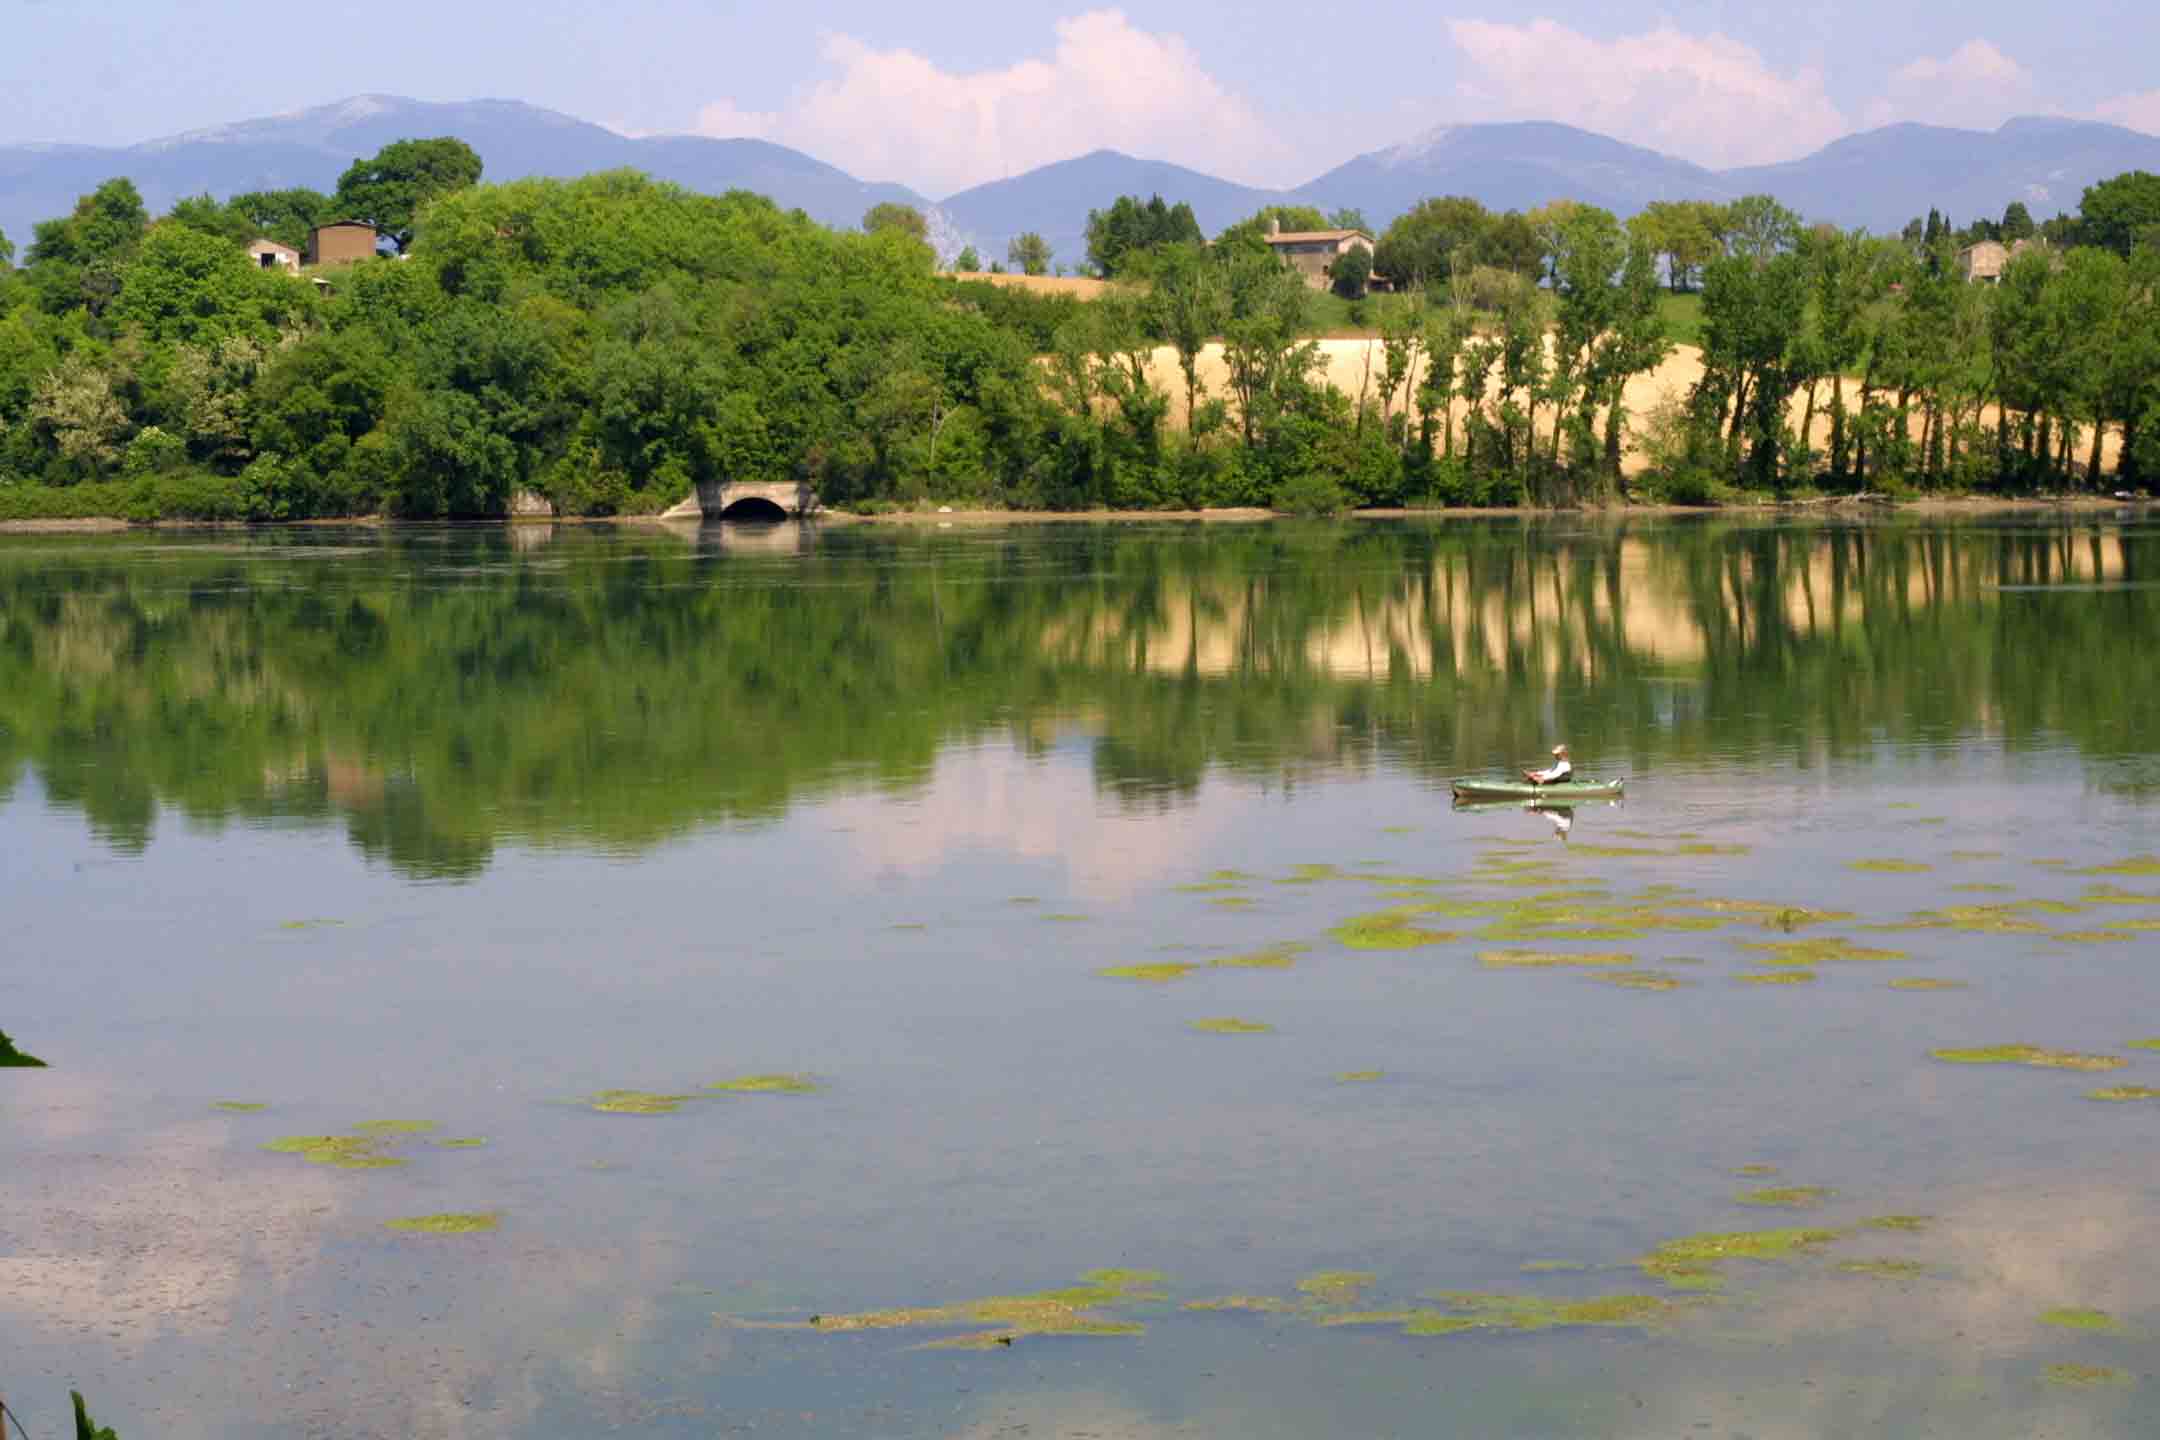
x,y
1574,793
1466,806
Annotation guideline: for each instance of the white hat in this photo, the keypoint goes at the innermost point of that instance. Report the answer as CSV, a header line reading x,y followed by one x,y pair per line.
x,y
1559,749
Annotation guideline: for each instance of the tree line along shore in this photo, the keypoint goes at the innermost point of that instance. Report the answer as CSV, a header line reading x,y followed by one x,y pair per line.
x,y
601,344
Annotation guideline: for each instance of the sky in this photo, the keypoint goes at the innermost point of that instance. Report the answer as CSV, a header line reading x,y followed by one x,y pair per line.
x,y
1270,92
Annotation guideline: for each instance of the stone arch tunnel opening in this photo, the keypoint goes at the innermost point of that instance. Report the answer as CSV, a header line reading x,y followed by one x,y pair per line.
x,y
754,510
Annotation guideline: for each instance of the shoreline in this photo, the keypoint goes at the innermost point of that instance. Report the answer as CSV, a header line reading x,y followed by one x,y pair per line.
x,y
1839,504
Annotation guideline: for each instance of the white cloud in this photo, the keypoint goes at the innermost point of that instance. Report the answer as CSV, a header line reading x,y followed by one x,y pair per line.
x,y
895,115
1975,86
724,120
2139,112
1707,97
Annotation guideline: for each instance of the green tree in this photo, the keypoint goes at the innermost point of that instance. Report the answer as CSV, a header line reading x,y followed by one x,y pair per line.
x,y
2120,213
1130,229
1190,302
905,219
78,261
7,251
390,190
1687,233
1348,218
1422,248
1030,252
967,262
286,216
1351,272
2017,223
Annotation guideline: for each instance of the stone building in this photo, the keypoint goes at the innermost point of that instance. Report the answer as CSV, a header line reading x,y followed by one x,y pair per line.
x,y
1984,263
342,242
269,255
1311,252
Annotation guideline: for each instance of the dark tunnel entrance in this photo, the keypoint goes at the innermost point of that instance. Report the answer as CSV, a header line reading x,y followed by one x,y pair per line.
x,y
754,510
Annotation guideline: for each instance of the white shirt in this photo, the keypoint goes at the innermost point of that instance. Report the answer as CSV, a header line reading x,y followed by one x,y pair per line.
x,y
1561,770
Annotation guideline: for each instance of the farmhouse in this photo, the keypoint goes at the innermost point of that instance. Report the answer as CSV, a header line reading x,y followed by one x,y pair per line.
x,y
269,255
1311,252
1984,263
342,242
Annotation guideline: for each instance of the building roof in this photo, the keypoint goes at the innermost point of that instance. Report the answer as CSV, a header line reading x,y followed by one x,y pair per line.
x,y
265,243
1316,237
342,224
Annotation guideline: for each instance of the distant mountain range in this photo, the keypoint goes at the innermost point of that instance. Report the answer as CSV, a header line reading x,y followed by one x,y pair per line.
x,y
515,140
1878,179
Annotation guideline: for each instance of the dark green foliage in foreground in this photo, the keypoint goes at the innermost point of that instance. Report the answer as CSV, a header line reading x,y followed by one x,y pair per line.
x,y
11,1058
85,1427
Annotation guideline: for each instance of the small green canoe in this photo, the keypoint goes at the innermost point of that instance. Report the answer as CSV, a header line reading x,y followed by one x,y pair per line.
x,y
1575,792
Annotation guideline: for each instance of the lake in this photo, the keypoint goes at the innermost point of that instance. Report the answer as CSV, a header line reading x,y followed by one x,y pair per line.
x,y
1138,1041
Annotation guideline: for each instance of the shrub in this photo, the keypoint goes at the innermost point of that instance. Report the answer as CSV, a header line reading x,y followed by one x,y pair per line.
x,y
1310,493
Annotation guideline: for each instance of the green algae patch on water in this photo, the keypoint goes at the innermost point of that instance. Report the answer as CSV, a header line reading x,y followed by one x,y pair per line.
x,y
1337,1287
1274,957
1902,1224
1553,960
1315,875
1536,1312
1652,980
1207,887
1971,920
1074,919
1554,1267
469,1142
1787,1197
1983,889
1885,1269
1162,973
2124,1094
1360,1077
1388,930
1889,867
1074,1310
1780,977
2077,1376
1231,1026
240,1107
1771,915
2032,1055
636,1102
1806,954
2136,867
2074,1318
2093,937
1922,985
2116,895
1756,1172
339,1152
396,1127
2153,1044
1234,902
1256,1304
446,1224
769,1085
1692,1261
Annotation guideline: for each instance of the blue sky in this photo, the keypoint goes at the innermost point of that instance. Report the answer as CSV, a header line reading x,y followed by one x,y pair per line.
x,y
941,96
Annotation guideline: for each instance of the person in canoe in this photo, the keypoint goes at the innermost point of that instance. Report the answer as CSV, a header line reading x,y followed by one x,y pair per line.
x,y
1560,772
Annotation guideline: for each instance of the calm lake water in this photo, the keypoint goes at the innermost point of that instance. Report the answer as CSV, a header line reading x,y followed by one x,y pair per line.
x,y
469,828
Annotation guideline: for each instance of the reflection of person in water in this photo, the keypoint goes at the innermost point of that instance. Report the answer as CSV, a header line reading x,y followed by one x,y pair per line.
x,y
1562,822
